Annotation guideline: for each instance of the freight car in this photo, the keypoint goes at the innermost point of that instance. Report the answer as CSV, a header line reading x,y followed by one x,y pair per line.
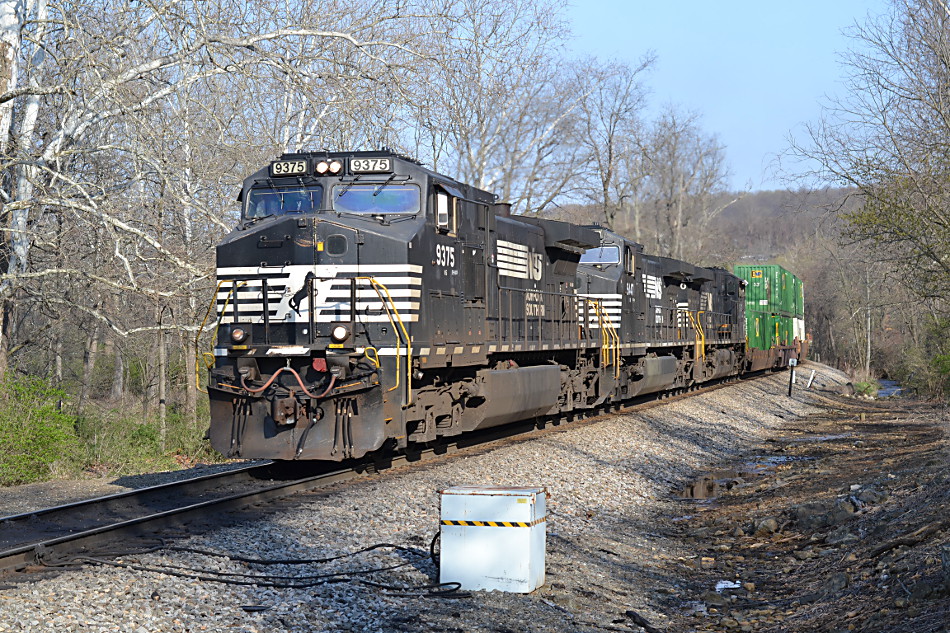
x,y
775,316
365,302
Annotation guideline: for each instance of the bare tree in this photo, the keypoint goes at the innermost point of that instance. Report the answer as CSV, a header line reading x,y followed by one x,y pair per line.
x,y
611,132
97,139
687,170
497,108
888,140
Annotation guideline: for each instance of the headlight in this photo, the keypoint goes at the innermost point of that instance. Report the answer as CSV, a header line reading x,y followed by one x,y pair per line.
x,y
238,334
322,167
340,333
335,166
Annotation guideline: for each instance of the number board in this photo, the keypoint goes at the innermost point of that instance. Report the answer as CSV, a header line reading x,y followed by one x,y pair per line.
x,y
288,168
371,165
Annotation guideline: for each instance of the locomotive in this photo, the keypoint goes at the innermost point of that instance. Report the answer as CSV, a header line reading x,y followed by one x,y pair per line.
x,y
368,303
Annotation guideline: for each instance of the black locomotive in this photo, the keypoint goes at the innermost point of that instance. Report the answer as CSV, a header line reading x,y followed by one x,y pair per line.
x,y
366,302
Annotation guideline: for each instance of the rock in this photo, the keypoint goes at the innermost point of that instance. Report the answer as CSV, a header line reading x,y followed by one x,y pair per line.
x,y
811,515
715,599
871,495
840,535
738,532
837,582
920,591
707,562
804,554
842,511
749,586
729,623
766,526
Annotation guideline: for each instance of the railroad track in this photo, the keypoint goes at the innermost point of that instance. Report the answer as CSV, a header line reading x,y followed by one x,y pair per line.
x,y
74,529
58,532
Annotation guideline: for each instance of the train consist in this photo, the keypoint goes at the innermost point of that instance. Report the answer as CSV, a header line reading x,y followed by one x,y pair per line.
x,y
365,302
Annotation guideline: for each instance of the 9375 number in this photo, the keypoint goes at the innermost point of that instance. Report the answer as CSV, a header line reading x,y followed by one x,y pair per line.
x,y
288,168
371,165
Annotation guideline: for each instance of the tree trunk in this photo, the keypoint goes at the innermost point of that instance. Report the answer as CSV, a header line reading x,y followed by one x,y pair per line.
x,y
191,374
88,366
58,362
118,376
12,16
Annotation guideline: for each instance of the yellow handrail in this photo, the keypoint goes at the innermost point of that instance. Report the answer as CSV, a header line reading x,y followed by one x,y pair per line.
x,y
609,338
377,286
700,334
204,355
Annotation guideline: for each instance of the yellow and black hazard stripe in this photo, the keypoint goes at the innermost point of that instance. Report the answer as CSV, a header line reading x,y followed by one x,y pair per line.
x,y
495,523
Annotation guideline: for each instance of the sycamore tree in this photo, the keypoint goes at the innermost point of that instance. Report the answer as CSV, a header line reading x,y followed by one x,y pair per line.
x,y
124,127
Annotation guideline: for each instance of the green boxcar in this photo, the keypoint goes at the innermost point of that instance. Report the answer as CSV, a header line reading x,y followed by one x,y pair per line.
x,y
799,298
766,330
774,301
771,289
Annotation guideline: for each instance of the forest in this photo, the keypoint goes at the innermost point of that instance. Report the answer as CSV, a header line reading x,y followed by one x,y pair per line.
x,y
127,126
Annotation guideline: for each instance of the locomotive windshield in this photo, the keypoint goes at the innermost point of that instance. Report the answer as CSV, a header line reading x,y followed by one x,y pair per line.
x,y
376,199
601,255
280,200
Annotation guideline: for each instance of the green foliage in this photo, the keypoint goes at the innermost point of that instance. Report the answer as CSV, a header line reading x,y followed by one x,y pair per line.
x,y
37,439
120,442
866,388
941,363
923,366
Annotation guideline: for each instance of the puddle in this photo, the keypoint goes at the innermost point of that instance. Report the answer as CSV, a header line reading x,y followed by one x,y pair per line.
x,y
823,438
709,485
768,462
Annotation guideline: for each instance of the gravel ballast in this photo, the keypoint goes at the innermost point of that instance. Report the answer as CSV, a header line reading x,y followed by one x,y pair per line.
x,y
609,482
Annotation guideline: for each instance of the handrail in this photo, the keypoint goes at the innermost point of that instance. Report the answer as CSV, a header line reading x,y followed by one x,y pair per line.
x,y
700,333
214,300
610,339
376,286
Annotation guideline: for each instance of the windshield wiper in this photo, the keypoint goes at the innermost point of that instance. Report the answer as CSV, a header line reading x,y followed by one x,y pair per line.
x,y
251,221
347,186
383,184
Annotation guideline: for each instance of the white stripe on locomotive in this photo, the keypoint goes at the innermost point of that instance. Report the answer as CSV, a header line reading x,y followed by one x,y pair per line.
x,y
332,292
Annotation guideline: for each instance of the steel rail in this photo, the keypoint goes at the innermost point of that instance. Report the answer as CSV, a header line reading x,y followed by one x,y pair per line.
x,y
60,543
59,540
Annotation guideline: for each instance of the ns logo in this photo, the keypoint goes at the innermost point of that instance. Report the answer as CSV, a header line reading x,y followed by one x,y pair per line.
x,y
535,266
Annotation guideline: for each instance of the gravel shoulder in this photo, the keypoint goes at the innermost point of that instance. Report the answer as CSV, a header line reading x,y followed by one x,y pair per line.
x,y
623,551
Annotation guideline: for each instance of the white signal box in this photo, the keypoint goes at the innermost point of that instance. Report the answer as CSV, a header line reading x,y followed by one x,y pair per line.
x,y
493,538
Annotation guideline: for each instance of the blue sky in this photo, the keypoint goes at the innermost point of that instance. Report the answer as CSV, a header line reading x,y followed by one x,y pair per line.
x,y
754,71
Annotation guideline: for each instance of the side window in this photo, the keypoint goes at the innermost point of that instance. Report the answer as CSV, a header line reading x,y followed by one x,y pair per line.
x,y
628,260
445,206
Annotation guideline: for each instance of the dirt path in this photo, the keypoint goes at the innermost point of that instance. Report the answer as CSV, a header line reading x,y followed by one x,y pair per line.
x,y
841,523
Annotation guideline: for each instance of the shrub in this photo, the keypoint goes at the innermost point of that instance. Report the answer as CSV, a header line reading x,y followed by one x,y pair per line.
x,y
36,437
866,388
